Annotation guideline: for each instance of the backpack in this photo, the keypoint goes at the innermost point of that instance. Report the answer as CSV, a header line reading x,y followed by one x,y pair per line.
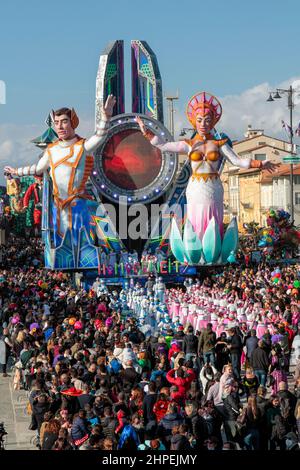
x,y
25,358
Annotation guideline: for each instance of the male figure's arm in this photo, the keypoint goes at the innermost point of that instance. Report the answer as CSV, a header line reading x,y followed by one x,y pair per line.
x,y
31,170
93,142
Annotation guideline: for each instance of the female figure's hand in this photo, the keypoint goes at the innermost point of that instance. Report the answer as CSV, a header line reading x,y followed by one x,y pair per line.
x,y
270,166
141,124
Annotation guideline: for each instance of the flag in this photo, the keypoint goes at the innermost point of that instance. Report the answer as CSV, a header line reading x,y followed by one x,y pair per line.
x,y
297,131
288,129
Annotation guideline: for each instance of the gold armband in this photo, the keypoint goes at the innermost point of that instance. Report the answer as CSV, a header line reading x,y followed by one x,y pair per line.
x,y
256,164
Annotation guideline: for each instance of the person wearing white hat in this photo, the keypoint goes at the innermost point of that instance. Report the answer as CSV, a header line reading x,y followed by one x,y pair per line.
x,y
159,289
102,289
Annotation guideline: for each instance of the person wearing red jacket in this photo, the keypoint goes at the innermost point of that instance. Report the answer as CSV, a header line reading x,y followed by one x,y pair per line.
x,y
184,378
291,334
160,407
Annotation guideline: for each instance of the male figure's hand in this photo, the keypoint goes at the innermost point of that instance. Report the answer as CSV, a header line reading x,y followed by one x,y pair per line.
x,y
109,106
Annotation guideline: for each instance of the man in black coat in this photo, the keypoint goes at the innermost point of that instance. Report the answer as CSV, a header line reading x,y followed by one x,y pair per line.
x,y
85,398
120,405
235,348
260,362
172,418
285,394
196,424
109,423
232,408
251,343
129,376
148,403
190,344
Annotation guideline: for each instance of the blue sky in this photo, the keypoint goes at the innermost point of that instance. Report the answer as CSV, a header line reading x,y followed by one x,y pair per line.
x,y
49,53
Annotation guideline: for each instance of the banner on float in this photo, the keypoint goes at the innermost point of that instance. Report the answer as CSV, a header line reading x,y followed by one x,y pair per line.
x,y
142,268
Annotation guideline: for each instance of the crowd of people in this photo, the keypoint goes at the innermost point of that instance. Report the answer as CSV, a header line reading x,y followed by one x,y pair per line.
x,y
210,365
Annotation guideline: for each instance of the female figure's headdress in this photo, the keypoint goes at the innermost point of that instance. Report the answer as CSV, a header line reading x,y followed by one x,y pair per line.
x,y
204,103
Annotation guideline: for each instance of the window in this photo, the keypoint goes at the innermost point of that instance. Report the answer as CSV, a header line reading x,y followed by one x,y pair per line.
x,y
296,179
234,202
260,156
297,198
261,143
233,181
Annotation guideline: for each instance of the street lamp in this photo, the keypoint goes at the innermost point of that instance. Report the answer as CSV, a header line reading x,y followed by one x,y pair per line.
x,y
272,97
184,130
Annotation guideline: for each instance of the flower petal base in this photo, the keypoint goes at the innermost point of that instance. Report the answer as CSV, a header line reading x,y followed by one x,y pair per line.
x,y
212,250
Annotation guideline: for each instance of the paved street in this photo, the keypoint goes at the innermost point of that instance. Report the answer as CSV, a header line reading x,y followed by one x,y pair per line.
x,y
13,414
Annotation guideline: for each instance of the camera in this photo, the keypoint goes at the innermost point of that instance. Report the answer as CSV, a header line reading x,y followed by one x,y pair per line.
x,y
2,430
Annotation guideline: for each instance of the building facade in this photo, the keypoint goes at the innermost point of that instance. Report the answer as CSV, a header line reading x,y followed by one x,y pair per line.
x,y
248,194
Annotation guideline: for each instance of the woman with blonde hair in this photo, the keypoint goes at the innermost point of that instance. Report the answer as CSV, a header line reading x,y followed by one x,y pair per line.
x,y
18,344
251,419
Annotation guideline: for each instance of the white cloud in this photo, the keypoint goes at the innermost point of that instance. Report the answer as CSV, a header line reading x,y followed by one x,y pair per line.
x,y
15,146
6,148
251,107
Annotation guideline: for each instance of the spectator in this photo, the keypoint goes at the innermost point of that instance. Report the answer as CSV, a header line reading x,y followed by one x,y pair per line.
x,y
251,344
235,346
260,363
206,346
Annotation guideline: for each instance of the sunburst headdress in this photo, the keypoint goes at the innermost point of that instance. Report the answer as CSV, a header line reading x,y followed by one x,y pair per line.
x,y
203,103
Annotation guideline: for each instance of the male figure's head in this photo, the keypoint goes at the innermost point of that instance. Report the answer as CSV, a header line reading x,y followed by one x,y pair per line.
x,y
65,122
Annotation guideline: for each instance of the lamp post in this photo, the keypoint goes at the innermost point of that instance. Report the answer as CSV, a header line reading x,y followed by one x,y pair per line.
x,y
184,130
276,95
170,100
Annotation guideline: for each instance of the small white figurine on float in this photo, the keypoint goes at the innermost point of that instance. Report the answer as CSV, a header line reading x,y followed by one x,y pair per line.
x,y
160,289
102,288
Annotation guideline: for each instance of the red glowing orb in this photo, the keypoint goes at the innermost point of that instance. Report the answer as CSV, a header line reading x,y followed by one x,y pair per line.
x,y
130,161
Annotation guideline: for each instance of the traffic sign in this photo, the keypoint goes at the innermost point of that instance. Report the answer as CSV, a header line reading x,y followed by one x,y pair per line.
x,y
291,159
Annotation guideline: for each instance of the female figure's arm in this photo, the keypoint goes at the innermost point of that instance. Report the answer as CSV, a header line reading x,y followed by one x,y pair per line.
x,y
246,163
180,146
